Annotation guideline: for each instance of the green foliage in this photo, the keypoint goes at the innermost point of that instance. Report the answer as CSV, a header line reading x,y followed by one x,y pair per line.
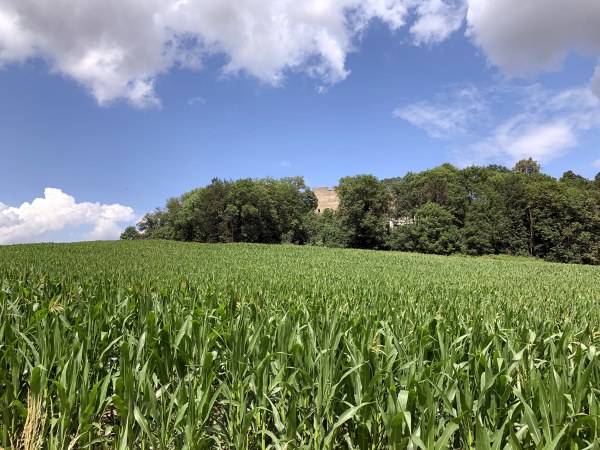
x,y
444,210
130,233
156,225
433,231
245,210
527,166
498,211
444,185
156,344
363,211
485,223
325,229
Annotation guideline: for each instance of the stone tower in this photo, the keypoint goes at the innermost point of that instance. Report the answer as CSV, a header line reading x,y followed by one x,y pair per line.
x,y
326,199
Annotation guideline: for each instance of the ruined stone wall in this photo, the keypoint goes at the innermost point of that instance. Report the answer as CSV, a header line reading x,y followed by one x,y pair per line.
x,y
326,198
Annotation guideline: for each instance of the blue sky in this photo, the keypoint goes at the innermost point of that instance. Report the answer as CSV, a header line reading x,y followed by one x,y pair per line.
x,y
110,108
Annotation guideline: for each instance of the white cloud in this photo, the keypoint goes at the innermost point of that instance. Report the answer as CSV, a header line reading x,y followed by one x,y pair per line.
x,y
437,20
525,37
596,163
196,100
117,48
549,125
507,123
285,164
518,138
59,211
596,81
450,116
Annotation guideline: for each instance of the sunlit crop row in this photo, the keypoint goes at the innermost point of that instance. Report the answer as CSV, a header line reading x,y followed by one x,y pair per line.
x,y
158,345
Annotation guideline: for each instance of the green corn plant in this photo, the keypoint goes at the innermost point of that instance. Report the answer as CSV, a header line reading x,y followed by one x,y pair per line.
x,y
169,345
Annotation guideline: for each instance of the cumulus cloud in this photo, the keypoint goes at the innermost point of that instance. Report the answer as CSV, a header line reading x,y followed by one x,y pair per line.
x,y
59,211
117,48
437,20
525,37
507,122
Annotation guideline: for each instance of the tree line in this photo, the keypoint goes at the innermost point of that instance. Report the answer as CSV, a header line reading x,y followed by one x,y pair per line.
x,y
476,210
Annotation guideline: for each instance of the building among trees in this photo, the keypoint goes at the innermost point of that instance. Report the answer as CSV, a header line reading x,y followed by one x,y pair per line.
x,y
326,199
443,210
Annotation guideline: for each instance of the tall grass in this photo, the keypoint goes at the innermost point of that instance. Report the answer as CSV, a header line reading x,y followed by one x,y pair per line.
x,y
181,346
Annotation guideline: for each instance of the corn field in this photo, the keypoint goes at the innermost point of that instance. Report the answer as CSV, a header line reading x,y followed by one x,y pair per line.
x,y
166,345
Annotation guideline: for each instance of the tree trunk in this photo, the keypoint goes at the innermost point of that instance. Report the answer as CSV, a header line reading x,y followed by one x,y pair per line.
x,y
530,232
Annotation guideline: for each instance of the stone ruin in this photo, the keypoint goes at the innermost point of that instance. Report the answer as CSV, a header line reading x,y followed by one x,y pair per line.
x,y
326,199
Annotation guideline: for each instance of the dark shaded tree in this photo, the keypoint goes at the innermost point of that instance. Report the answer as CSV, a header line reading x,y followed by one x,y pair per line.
x,y
130,233
364,210
246,210
445,186
433,231
476,210
325,229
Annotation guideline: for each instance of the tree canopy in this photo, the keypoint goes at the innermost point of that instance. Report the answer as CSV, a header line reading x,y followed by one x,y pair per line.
x,y
475,210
